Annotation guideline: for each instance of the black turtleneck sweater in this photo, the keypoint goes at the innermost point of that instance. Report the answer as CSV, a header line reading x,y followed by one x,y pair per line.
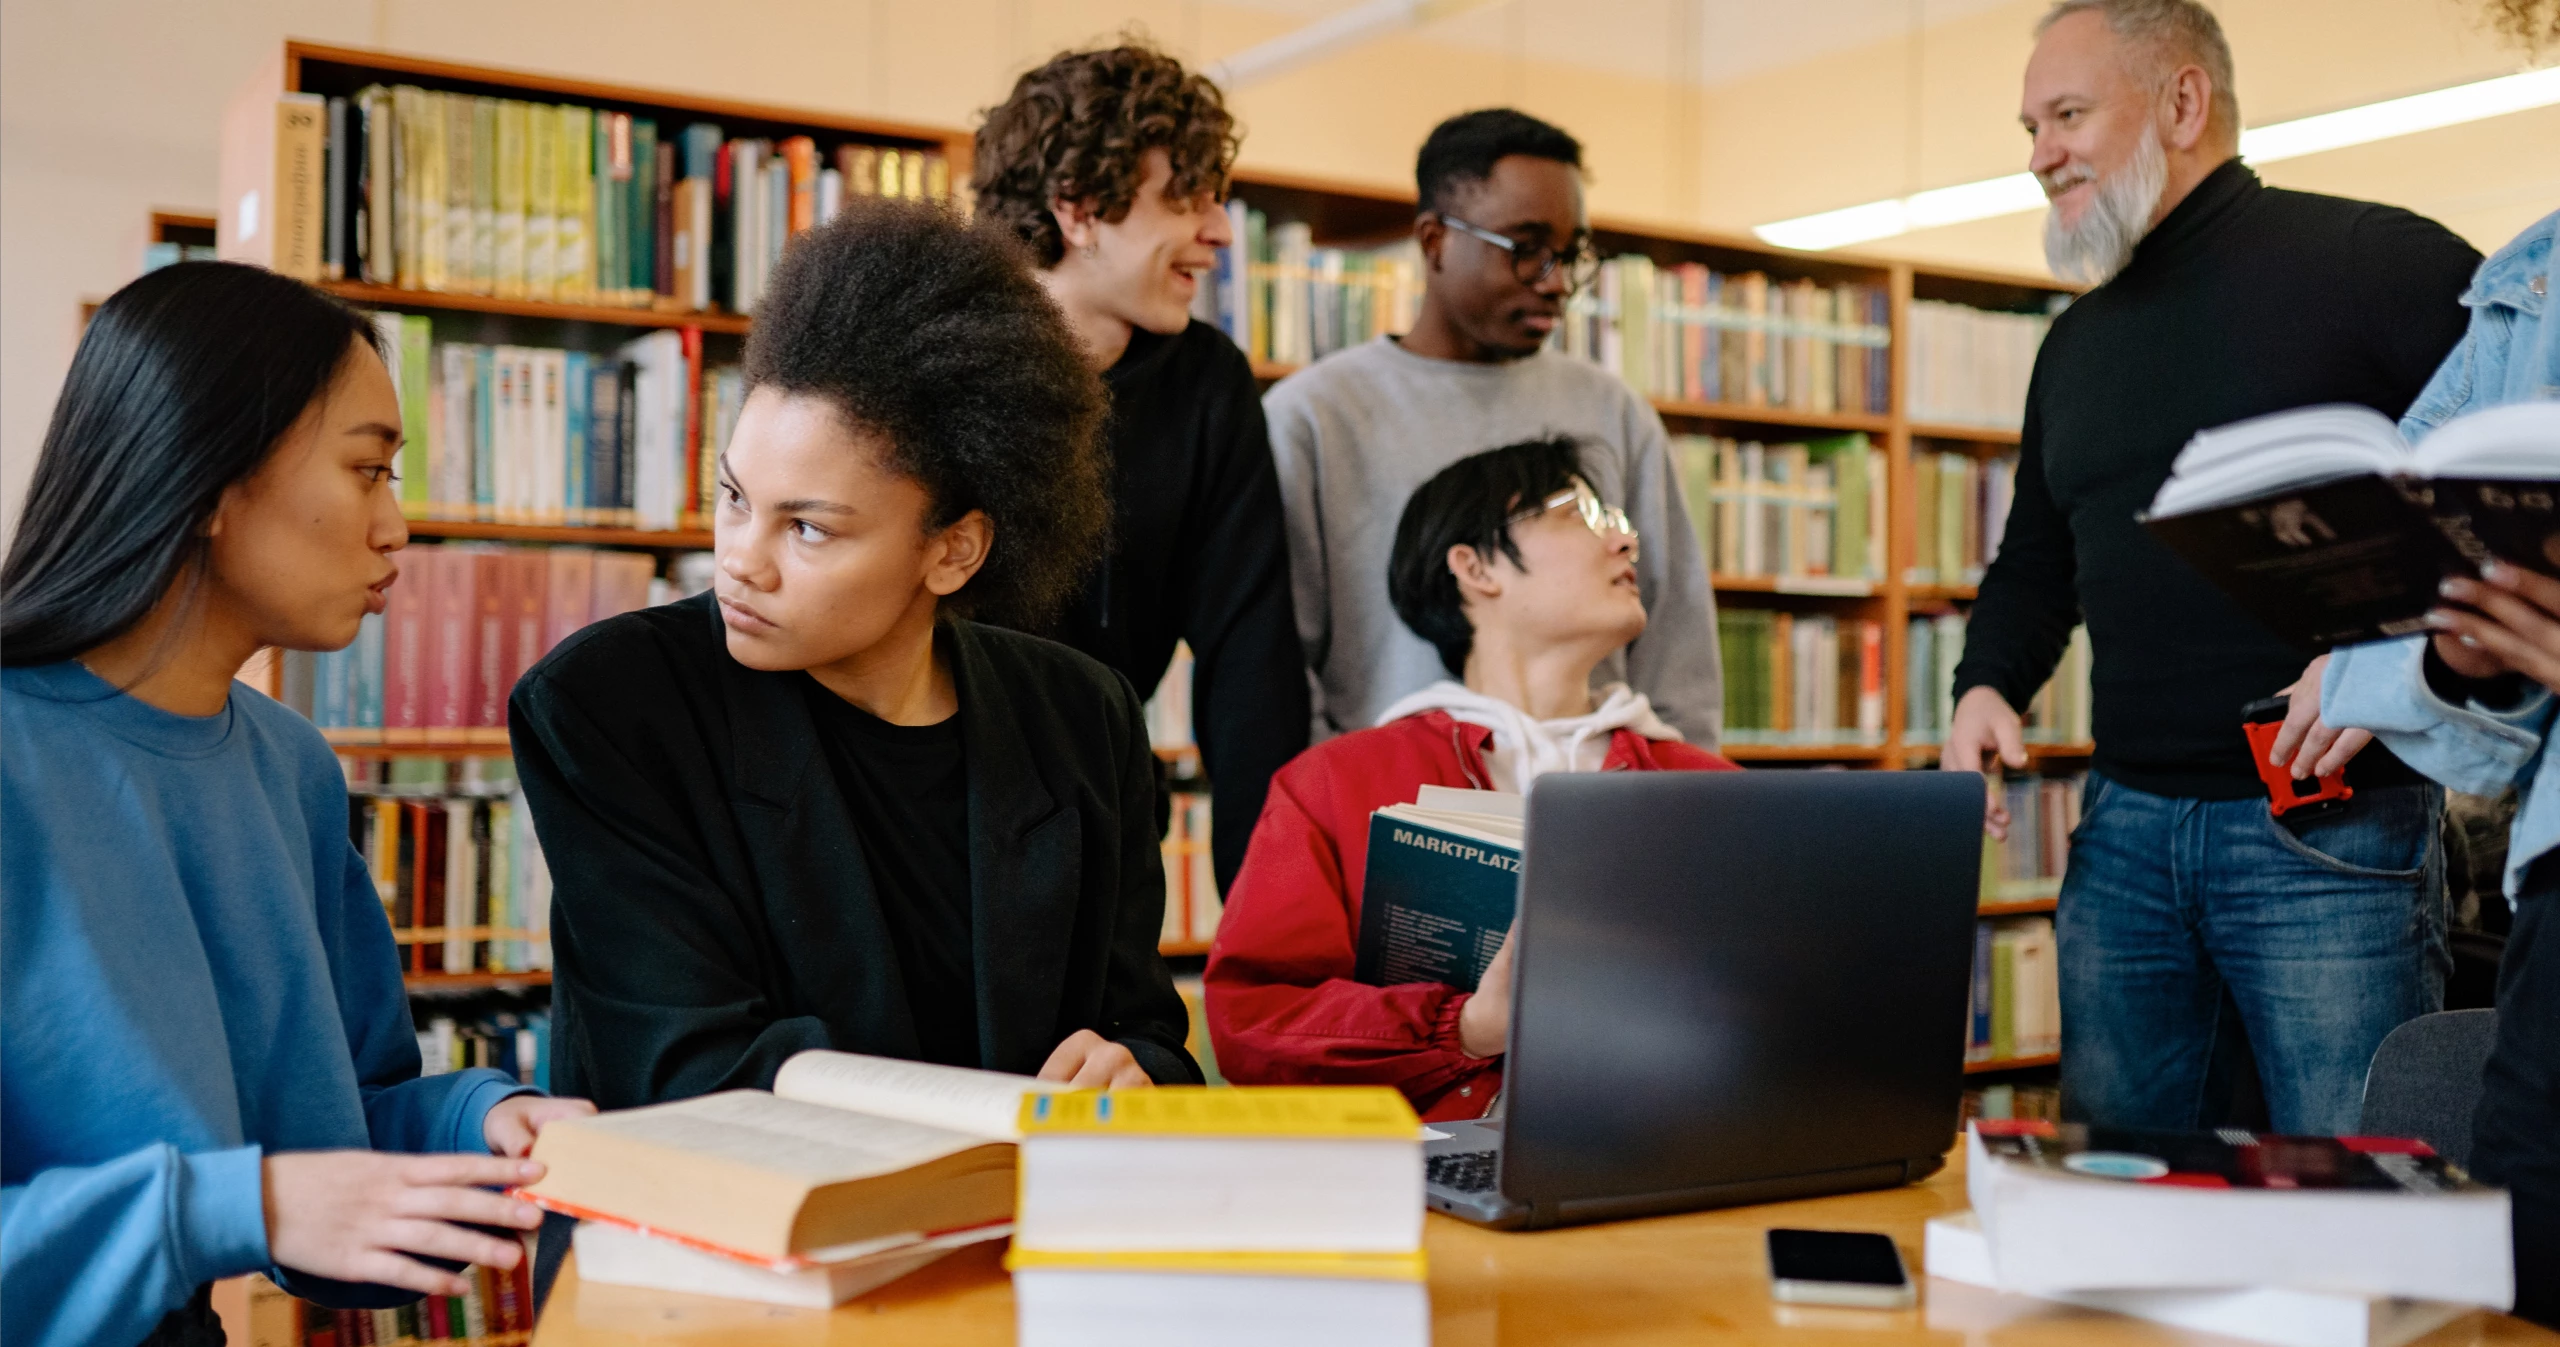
x,y
2245,300
1198,554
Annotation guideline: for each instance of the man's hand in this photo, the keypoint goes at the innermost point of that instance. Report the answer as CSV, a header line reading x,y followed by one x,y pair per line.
x,y
2324,751
2516,628
357,1215
515,1121
1088,1061
1484,1022
1985,724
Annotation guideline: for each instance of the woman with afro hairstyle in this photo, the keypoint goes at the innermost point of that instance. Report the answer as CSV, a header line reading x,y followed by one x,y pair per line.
x,y
1110,166
822,805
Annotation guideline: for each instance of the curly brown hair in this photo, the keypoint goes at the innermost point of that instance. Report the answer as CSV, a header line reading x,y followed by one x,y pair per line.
x,y
938,337
1077,128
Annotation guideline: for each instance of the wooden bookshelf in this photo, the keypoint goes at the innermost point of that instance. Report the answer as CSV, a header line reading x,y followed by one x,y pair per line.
x,y
2017,907
1990,1065
430,983
1863,753
662,540
449,301
1966,435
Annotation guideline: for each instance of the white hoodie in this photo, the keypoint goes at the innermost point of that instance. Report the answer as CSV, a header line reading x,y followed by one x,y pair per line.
x,y
1525,749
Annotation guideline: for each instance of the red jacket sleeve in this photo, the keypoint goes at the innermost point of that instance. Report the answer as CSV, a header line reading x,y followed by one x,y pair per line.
x,y
1282,1008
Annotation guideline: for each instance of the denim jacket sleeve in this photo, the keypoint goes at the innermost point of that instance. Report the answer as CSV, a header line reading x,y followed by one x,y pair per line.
x,y
2382,687
2511,353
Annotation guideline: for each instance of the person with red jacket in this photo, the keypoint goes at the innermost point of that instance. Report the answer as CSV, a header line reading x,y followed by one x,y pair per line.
x,y
1524,580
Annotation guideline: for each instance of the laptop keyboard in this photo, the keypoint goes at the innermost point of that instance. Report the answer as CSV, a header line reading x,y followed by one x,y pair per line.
x,y
1464,1172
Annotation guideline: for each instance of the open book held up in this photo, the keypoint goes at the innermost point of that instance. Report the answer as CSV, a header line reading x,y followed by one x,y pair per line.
x,y
1442,883
2329,528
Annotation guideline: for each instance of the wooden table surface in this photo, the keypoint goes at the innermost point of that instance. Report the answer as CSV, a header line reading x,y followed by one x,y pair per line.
x,y
1672,1279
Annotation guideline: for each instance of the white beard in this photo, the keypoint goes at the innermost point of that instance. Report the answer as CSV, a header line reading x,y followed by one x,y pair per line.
x,y
2094,250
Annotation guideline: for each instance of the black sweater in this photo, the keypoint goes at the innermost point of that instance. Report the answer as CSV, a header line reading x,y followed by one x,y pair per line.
x,y
1199,555
2245,300
712,912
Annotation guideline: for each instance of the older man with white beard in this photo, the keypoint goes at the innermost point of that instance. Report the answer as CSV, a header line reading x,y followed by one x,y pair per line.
x,y
2196,932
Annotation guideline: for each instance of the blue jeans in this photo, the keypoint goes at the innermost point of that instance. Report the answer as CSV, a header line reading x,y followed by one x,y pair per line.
x,y
2177,914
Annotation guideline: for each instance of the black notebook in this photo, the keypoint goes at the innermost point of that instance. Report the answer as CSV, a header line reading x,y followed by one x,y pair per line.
x,y
2328,527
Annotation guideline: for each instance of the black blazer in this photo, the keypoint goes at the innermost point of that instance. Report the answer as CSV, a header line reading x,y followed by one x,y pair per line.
x,y
711,914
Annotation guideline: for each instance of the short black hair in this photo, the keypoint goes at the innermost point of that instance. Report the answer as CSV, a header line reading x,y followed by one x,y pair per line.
x,y
1470,501
1463,150
939,338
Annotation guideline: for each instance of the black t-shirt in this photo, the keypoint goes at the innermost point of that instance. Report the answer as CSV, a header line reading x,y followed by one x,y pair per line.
x,y
909,789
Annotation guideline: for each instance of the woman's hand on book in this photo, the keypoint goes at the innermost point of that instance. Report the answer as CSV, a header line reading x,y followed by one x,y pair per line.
x,y
1088,1061
515,1121
1484,1022
359,1216
2512,625
2324,750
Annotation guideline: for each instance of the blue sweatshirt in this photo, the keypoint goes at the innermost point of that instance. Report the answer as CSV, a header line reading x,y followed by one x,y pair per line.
x,y
194,970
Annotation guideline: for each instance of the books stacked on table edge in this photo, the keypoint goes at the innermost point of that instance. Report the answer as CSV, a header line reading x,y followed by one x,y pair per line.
x,y
2296,1241
1248,1215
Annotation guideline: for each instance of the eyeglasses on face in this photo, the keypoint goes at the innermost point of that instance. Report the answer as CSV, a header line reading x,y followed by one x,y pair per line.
x,y
1601,518
1534,262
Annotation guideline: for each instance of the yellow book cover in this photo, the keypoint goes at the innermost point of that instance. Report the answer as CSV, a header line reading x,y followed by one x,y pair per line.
x,y
1399,1267
429,167
1345,1111
572,265
506,246
541,193
460,143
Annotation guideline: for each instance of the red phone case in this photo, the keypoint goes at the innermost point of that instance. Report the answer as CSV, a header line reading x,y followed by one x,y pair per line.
x,y
2286,792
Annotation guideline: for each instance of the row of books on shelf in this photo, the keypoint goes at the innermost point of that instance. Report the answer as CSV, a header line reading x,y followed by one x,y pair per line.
x,y
1813,511
517,1042
2009,1099
2059,713
2016,1006
629,438
461,877
1191,903
463,623
1801,679
1693,334
1281,298
428,190
1969,366
2028,863
1961,511
497,1312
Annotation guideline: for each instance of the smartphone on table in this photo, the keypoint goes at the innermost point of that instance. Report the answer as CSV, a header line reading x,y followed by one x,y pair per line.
x,y
1837,1267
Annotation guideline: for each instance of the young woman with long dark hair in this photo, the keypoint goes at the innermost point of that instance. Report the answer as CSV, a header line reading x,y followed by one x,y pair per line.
x,y
205,1050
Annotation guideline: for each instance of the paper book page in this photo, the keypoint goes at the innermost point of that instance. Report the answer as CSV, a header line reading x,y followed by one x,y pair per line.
x,y
809,1142
984,1104
1497,803
2287,450
1492,831
2519,440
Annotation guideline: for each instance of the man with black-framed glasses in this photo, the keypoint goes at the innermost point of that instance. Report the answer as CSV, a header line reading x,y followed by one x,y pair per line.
x,y
1504,244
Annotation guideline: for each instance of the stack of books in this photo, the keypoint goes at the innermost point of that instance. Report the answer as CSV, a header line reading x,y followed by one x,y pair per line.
x,y
430,190
1792,678
1963,508
1969,366
2059,713
2029,862
2297,1241
462,625
459,871
1242,1216
627,438
1281,298
2015,1009
852,1172
1810,516
1686,332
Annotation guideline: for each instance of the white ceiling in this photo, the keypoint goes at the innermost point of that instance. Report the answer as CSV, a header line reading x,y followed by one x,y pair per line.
x,y
1705,41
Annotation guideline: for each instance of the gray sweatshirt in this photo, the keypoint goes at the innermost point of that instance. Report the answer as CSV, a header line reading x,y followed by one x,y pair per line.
x,y
1356,432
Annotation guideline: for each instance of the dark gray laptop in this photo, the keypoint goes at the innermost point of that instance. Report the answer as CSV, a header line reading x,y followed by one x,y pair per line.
x,y
1730,987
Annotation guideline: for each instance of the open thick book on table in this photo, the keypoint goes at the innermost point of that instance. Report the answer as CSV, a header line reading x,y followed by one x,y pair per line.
x,y
848,1157
2331,529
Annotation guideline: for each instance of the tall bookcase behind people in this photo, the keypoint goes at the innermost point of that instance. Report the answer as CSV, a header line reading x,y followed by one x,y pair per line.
x,y
2178,868
1503,229
1197,552
207,1051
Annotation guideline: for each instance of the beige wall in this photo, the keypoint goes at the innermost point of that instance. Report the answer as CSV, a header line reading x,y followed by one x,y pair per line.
x,y
108,108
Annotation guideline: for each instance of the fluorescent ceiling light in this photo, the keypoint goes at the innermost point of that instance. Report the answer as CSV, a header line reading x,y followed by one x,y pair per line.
x,y
2264,145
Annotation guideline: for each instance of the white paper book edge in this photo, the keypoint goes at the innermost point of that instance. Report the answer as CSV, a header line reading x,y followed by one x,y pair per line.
x,y
614,1256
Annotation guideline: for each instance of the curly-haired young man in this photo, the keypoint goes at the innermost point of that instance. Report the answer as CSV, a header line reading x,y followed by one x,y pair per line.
x,y
1504,242
820,807
1110,166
